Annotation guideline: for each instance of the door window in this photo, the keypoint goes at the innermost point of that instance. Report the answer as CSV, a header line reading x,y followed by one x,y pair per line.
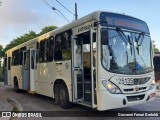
x,y
32,59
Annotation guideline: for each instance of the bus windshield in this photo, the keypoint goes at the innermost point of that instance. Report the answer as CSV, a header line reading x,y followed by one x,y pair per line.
x,y
129,57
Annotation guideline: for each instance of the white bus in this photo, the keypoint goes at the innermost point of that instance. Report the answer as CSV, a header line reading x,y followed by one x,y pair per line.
x,y
103,60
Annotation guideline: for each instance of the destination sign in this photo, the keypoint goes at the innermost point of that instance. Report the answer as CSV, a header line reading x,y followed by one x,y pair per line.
x,y
124,21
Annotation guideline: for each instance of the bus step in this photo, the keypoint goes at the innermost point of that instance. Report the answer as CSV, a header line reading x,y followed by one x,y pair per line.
x,y
87,86
87,80
85,103
88,97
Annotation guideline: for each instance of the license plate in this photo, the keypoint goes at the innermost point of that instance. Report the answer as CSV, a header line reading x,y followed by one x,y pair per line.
x,y
126,81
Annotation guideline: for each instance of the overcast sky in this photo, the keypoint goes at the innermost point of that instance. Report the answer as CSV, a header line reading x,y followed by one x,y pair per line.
x,y
20,16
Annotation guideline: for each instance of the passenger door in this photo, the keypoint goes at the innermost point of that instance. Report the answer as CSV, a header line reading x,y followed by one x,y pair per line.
x,y
32,68
77,70
26,70
9,70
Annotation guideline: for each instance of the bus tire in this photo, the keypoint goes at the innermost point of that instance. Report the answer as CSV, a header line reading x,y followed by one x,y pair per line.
x,y
56,94
16,87
64,97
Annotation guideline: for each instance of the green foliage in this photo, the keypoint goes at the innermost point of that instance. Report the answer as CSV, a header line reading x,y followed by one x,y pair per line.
x,y
1,78
156,50
26,37
1,47
1,51
19,40
47,29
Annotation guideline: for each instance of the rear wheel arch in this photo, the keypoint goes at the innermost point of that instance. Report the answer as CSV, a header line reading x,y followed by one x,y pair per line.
x,y
61,93
16,85
57,83
15,79
56,87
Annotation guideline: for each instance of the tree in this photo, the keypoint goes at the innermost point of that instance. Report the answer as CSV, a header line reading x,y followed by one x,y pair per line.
x,y
1,51
26,37
156,50
1,47
47,29
19,40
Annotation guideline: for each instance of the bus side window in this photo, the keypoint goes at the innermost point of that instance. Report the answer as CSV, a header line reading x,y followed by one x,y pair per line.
x,y
51,47
15,57
9,63
57,51
46,51
26,60
37,52
66,46
21,55
32,59
63,46
41,51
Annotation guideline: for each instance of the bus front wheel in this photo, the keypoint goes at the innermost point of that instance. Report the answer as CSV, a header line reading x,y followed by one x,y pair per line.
x,y
64,97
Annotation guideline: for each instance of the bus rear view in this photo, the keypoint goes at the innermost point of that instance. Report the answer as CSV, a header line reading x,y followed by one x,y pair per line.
x,y
125,70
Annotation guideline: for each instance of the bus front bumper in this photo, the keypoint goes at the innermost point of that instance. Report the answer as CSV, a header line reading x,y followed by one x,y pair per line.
x,y
111,101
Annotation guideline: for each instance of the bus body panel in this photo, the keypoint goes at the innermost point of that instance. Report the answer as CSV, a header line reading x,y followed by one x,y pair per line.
x,y
16,71
113,101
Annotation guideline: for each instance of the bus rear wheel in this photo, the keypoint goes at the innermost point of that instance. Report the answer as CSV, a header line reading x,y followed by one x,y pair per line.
x,y
64,97
16,87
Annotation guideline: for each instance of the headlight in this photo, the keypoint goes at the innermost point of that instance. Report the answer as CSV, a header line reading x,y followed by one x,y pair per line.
x,y
153,82
152,85
111,87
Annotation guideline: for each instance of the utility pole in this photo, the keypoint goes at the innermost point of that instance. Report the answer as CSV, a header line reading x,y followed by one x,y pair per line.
x,y
76,16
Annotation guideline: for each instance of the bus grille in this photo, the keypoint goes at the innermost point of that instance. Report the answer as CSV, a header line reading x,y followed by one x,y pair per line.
x,y
135,98
141,81
133,90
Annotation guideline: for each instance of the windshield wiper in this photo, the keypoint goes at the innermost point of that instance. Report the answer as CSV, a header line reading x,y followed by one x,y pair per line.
x,y
138,40
125,39
123,36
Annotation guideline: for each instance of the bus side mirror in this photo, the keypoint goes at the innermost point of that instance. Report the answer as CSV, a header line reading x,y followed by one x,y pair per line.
x,y
103,23
77,40
74,37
